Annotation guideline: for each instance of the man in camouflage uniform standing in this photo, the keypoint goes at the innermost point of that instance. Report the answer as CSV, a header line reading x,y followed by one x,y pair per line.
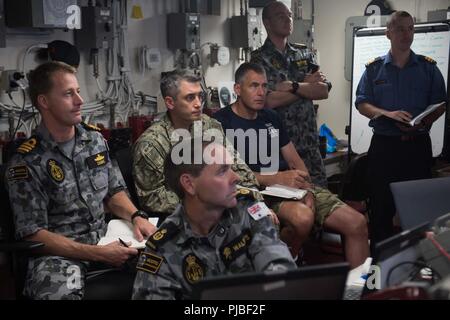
x,y
293,84
211,233
183,97
59,181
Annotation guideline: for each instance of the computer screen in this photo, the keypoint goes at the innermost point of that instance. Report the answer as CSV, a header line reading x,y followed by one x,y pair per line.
x,y
316,282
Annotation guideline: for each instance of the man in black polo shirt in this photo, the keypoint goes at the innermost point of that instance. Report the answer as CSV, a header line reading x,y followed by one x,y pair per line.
x,y
259,136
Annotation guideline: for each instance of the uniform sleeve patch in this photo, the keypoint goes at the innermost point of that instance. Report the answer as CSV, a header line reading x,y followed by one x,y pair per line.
x,y
149,262
55,170
18,173
258,211
194,269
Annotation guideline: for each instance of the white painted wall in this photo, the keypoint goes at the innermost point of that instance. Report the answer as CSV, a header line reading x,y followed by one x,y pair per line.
x,y
330,19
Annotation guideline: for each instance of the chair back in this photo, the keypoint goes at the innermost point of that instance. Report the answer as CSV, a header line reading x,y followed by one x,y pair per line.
x,y
124,158
354,183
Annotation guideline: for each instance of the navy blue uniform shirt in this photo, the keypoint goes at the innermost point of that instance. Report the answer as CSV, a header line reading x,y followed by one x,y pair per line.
x,y
411,88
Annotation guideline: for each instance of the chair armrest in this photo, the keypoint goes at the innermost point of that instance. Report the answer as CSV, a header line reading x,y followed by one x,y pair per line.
x,y
20,246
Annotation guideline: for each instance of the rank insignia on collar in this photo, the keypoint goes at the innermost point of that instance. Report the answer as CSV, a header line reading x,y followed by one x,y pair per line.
x,y
97,160
90,127
55,170
28,146
244,193
149,262
193,269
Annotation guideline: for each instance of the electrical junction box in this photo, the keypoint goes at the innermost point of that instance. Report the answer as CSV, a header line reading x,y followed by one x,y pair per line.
x,y
37,13
96,28
219,55
245,31
439,15
183,31
207,7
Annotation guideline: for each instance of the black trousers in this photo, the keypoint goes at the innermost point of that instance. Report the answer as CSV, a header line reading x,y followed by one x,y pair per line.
x,y
392,159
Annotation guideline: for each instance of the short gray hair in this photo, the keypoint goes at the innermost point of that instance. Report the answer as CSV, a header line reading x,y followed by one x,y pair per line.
x,y
170,81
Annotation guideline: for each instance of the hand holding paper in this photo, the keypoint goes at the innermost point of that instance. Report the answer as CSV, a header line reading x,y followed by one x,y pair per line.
x,y
119,228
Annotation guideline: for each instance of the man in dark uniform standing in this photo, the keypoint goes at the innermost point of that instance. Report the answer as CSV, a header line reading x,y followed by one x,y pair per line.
x,y
294,81
394,89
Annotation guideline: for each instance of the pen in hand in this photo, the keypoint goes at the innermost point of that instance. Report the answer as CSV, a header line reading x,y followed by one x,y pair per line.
x,y
123,243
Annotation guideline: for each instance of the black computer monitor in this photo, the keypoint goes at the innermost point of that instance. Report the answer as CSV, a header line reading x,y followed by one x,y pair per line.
x,y
420,201
312,283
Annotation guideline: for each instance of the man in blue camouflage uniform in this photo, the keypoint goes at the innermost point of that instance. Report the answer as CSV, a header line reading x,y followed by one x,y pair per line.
x,y
211,233
59,182
293,84
394,89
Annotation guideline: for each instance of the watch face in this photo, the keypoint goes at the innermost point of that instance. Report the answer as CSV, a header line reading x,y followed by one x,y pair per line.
x,y
141,214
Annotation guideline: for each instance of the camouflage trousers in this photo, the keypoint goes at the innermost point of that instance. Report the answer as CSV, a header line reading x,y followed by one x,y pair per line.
x,y
58,278
55,278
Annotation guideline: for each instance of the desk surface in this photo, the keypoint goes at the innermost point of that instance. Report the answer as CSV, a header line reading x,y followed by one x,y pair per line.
x,y
335,163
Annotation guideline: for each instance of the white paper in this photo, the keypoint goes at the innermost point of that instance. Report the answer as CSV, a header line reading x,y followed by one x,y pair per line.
x,y
119,228
426,112
280,191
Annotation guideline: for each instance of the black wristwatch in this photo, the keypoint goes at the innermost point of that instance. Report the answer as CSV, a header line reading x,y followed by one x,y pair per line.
x,y
295,86
139,213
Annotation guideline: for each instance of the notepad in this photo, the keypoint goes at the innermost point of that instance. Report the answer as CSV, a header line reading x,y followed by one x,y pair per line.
x,y
120,228
416,120
280,191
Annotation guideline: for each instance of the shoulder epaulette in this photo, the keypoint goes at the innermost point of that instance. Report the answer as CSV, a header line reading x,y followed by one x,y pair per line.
x,y
373,61
165,232
245,193
428,59
28,146
299,45
90,127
